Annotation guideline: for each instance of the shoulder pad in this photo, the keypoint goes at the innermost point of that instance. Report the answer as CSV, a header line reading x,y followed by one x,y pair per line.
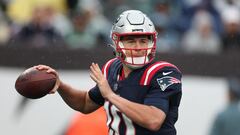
x,y
152,69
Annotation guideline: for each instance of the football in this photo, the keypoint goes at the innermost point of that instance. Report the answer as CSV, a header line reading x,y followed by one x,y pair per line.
x,y
34,84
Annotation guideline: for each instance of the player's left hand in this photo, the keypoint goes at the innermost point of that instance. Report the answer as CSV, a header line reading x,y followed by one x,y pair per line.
x,y
98,77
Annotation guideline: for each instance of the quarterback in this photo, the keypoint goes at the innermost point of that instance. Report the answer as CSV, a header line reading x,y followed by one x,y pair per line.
x,y
140,95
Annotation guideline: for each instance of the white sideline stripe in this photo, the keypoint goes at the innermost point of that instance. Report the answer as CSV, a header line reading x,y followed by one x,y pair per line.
x,y
150,70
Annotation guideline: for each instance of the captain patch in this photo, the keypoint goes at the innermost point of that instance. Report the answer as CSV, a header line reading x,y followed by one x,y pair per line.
x,y
167,81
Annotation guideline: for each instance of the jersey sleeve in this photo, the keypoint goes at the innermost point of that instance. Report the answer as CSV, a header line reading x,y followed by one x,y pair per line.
x,y
96,96
165,89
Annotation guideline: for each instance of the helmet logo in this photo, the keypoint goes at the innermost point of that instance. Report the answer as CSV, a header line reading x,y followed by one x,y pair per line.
x,y
134,30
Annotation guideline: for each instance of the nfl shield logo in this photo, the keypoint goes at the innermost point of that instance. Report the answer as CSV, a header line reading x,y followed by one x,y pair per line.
x,y
115,87
167,81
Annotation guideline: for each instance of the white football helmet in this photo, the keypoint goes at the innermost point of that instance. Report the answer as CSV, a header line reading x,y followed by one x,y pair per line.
x,y
134,22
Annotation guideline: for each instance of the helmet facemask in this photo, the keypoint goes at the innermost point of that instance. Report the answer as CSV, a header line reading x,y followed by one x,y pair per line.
x,y
136,57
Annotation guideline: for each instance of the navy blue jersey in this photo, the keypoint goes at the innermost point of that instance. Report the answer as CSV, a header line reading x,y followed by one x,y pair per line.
x,y
156,84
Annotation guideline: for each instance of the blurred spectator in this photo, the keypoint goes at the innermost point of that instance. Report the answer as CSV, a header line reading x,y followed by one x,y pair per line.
x,y
113,8
168,38
80,37
71,5
91,27
222,4
99,25
4,4
4,28
20,11
143,5
189,8
60,22
191,3
231,34
38,32
228,121
201,37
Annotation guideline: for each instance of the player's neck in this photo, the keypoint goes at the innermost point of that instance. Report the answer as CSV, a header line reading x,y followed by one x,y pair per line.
x,y
127,71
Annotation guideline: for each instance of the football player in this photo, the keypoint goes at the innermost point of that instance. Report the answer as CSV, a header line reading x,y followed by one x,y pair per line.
x,y
140,96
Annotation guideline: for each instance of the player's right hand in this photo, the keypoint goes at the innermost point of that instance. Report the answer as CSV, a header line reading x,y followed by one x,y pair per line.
x,y
50,71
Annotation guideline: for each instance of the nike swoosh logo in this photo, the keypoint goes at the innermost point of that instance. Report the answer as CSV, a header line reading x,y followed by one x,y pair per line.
x,y
167,73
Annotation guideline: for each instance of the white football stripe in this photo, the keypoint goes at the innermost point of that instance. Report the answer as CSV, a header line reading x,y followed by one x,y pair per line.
x,y
129,125
116,119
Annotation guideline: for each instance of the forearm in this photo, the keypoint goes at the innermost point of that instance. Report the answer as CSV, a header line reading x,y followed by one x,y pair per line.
x,y
76,99
146,116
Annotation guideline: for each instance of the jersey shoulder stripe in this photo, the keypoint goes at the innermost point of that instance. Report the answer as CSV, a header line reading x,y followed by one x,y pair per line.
x,y
106,67
152,69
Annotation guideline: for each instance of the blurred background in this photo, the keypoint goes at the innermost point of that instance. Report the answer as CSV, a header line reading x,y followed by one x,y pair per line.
x,y
201,37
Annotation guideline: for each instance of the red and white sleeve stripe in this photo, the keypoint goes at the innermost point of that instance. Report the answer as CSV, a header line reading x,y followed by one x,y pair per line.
x,y
151,70
106,67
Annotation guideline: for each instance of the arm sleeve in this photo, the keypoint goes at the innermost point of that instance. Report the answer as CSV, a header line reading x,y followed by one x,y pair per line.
x,y
96,96
165,91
